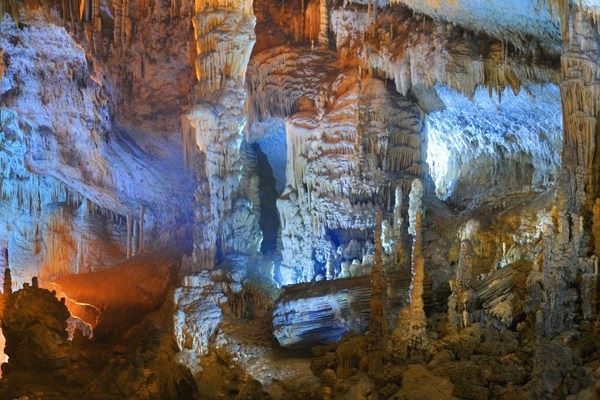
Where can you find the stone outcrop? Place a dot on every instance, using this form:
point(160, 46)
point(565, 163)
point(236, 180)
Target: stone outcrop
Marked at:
point(197, 317)
point(34, 319)
point(323, 312)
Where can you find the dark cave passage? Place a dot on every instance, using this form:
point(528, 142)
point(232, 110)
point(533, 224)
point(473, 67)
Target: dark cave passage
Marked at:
point(269, 216)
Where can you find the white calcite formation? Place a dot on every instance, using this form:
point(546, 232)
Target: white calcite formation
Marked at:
point(323, 312)
point(224, 220)
point(482, 149)
point(197, 317)
point(346, 159)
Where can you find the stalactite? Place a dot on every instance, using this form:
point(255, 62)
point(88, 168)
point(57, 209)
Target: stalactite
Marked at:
point(129, 234)
point(135, 238)
point(580, 93)
point(562, 9)
point(425, 52)
point(141, 233)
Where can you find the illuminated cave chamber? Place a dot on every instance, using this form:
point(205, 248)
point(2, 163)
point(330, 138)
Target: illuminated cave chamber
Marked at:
point(300, 199)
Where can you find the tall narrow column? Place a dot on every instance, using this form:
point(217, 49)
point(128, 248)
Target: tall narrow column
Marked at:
point(224, 35)
point(378, 326)
point(410, 335)
point(415, 213)
point(579, 183)
point(580, 92)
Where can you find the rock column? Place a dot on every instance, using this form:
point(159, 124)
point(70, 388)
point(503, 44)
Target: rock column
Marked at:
point(580, 93)
point(410, 336)
point(462, 296)
point(418, 321)
point(378, 326)
point(224, 35)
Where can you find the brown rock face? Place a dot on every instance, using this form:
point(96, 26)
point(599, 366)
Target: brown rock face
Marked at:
point(36, 321)
point(145, 53)
point(419, 383)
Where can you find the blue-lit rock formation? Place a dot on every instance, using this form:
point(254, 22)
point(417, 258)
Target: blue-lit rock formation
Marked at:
point(82, 193)
point(485, 148)
point(323, 312)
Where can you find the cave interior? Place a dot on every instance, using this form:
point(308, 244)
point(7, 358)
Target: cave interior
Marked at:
point(300, 199)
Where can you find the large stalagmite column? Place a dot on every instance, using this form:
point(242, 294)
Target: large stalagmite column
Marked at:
point(324, 22)
point(224, 34)
point(580, 92)
point(580, 175)
point(378, 326)
point(410, 335)
point(415, 213)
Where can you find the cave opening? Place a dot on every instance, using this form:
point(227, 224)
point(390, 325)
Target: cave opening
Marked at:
point(269, 217)
point(271, 157)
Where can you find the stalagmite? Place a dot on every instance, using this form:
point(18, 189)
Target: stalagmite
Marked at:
point(462, 293)
point(415, 212)
point(378, 325)
point(329, 270)
point(7, 283)
point(410, 335)
point(399, 250)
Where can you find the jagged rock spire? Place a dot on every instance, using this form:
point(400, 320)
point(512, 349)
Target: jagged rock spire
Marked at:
point(7, 283)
